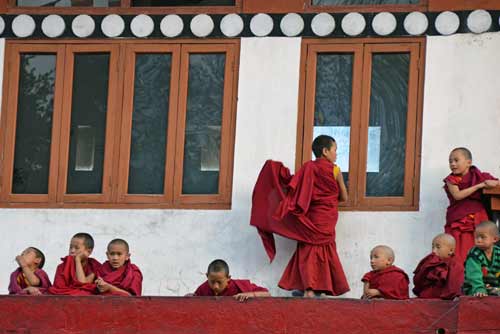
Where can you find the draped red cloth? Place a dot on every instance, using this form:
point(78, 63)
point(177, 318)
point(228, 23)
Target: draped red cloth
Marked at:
point(66, 282)
point(438, 278)
point(234, 287)
point(18, 283)
point(462, 216)
point(128, 277)
point(303, 207)
point(392, 282)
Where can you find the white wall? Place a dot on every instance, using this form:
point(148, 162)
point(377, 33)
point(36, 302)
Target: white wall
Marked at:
point(173, 247)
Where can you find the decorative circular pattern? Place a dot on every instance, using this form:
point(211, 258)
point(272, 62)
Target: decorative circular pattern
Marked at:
point(416, 23)
point(171, 25)
point(231, 25)
point(479, 21)
point(292, 24)
point(83, 26)
point(261, 25)
point(323, 24)
point(2, 25)
point(447, 23)
point(142, 25)
point(53, 26)
point(202, 25)
point(353, 24)
point(384, 23)
point(112, 25)
point(23, 26)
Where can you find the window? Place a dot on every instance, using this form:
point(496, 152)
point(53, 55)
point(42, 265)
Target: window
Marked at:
point(68, 3)
point(363, 2)
point(172, 3)
point(119, 123)
point(365, 5)
point(367, 95)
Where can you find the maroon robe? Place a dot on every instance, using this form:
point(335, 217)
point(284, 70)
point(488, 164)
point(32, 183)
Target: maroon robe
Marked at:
point(462, 216)
point(17, 283)
point(303, 207)
point(438, 278)
point(392, 282)
point(234, 287)
point(128, 277)
point(66, 282)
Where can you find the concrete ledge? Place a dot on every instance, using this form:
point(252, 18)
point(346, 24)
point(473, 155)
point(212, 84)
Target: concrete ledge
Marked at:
point(95, 314)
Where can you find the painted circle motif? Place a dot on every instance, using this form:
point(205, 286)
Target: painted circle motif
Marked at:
point(53, 26)
point(171, 25)
point(353, 24)
point(447, 23)
point(112, 25)
point(479, 21)
point(384, 23)
point(83, 26)
point(23, 26)
point(261, 25)
point(323, 24)
point(416, 23)
point(231, 25)
point(142, 25)
point(292, 24)
point(2, 25)
point(202, 25)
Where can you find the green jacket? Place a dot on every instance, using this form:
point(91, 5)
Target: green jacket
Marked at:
point(479, 271)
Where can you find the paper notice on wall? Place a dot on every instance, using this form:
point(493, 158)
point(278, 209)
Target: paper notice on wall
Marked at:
point(85, 148)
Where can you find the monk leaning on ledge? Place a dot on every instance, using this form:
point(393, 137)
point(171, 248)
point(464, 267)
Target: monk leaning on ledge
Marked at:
point(29, 278)
point(220, 283)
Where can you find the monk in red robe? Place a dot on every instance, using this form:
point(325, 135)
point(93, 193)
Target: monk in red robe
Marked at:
point(466, 210)
point(76, 274)
point(118, 276)
point(439, 275)
point(385, 280)
point(29, 278)
point(304, 207)
point(220, 283)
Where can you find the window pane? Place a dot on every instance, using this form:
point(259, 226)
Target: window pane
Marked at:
point(385, 169)
point(68, 3)
point(332, 104)
point(149, 124)
point(203, 124)
point(34, 124)
point(363, 2)
point(165, 3)
point(88, 123)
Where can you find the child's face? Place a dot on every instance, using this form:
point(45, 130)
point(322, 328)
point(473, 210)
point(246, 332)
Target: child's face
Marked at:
point(218, 281)
point(30, 258)
point(484, 238)
point(331, 154)
point(77, 246)
point(379, 259)
point(117, 255)
point(442, 248)
point(459, 164)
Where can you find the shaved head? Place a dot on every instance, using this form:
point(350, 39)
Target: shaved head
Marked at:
point(218, 266)
point(446, 238)
point(389, 253)
point(490, 226)
point(119, 242)
point(465, 151)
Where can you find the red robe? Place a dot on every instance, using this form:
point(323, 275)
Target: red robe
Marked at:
point(392, 282)
point(128, 277)
point(303, 207)
point(66, 282)
point(18, 283)
point(464, 215)
point(234, 287)
point(438, 278)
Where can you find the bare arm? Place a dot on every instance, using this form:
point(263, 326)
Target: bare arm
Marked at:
point(80, 273)
point(33, 279)
point(247, 295)
point(343, 190)
point(458, 194)
point(104, 286)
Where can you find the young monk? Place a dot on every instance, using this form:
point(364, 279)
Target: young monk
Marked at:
point(77, 273)
point(385, 280)
point(220, 283)
point(439, 274)
point(304, 207)
point(482, 268)
point(118, 276)
point(29, 278)
point(466, 210)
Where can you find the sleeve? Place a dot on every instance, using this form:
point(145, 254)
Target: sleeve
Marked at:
point(14, 288)
point(336, 171)
point(487, 176)
point(44, 279)
point(474, 276)
point(452, 179)
point(395, 286)
point(59, 277)
point(367, 277)
point(136, 285)
point(256, 288)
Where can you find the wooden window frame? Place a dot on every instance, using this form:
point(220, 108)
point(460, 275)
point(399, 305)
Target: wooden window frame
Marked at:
point(118, 128)
point(362, 50)
point(421, 6)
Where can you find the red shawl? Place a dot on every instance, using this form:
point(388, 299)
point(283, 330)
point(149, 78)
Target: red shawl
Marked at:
point(66, 282)
point(128, 277)
point(472, 203)
point(302, 207)
point(234, 287)
point(438, 278)
point(16, 286)
point(392, 282)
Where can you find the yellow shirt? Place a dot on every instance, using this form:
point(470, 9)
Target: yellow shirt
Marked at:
point(336, 171)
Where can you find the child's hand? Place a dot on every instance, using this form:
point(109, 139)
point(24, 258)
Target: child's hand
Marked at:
point(31, 290)
point(82, 255)
point(244, 296)
point(490, 184)
point(370, 293)
point(102, 285)
point(21, 261)
point(480, 294)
